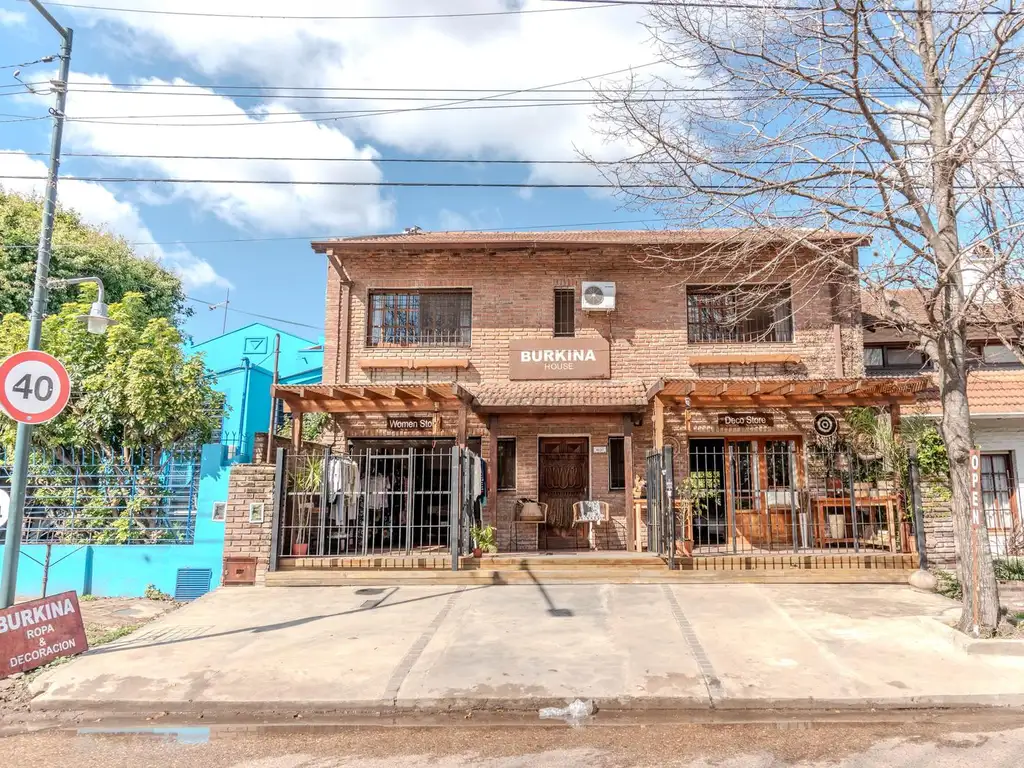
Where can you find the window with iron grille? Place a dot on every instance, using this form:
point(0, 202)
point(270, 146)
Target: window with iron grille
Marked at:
point(506, 463)
point(739, 313)
point(565, 312)
point(616, 463)
point(442, 318)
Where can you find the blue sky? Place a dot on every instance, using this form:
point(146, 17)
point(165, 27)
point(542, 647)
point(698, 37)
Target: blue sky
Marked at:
point(192, 68)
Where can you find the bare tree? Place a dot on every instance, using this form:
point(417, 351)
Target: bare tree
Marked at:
point(899, 120)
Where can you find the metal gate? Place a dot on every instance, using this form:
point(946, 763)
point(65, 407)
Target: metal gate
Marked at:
point(661, 518)
point(390, 501)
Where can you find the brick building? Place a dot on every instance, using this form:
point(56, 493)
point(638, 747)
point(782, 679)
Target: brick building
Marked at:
point(568, 361)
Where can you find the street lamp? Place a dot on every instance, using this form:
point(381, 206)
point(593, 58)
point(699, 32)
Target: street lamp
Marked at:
point(98, 320)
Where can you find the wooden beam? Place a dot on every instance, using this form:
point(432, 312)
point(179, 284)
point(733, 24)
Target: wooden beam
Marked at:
point(627, 450)
point(492, 470)
point(297, 432)
point(659, 423)
point(430, 393)
point(462, 425)
point(370, 393)
point(406, 393)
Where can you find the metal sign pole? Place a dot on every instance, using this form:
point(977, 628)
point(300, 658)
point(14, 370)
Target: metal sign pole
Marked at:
point(19, 477)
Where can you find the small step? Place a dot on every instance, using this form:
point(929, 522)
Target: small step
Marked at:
point(326, 578)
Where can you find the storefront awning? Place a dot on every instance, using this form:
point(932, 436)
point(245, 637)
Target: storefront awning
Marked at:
point(326, 398)
point(788, 393)
point(556, 396)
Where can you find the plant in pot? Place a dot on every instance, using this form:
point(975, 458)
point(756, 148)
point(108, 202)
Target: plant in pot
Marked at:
point(306, 480)
point(700, 489)
point(483, 540)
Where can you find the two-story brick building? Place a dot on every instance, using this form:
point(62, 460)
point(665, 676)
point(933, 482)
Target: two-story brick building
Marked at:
point(563, 359)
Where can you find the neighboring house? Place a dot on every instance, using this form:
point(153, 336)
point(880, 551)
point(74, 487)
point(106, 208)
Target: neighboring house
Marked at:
point(243, 363)
point(568, 362)
point(995, 395)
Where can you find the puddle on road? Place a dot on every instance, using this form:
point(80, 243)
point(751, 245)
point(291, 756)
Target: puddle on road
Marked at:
point(178, 735)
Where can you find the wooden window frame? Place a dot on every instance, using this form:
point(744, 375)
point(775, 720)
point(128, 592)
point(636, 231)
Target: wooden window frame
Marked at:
point(565, 301)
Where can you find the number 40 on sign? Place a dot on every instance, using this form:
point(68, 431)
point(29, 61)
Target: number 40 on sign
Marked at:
point(34, 387)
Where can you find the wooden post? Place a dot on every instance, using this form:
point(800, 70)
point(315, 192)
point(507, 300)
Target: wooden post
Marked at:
point(894, 418)
point(492, 468)
point(297, 431)
point(461, 426)
point(659, 423)
point(627, 451)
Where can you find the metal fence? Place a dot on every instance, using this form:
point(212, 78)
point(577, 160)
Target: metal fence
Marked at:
point(770, 495)
point(85, 496)
point(662, 527)
point(377, 501)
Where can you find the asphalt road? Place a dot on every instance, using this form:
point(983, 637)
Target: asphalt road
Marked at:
point(932, 744)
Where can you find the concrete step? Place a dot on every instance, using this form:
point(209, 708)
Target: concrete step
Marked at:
point(484, 576)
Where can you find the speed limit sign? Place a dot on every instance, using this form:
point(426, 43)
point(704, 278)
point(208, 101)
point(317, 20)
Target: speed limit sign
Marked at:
point(34, 387)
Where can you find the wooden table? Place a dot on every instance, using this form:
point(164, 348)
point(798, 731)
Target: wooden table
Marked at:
point(822, 504)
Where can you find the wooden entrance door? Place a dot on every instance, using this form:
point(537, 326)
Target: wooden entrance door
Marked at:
point(564, 474)
point(763, 477)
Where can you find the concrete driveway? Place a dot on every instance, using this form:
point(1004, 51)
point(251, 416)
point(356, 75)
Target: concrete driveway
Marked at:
point(521, 647)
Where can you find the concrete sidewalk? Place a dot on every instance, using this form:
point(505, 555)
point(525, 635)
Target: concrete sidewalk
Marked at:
point(436, 649)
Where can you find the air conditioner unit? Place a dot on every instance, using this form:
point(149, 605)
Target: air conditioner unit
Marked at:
point(598, 297)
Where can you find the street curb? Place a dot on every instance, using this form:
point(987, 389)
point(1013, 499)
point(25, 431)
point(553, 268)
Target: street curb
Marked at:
point(635, 705)
point(990, 647)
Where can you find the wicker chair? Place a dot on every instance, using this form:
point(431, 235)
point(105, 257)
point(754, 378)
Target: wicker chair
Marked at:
point(580, 515)
point(517, 511)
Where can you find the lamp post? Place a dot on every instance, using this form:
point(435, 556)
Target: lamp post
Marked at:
point(23, 441)
point(98, 319)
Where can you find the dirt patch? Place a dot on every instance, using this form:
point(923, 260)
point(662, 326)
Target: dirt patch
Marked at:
point(1011, 626)
point(106, 620)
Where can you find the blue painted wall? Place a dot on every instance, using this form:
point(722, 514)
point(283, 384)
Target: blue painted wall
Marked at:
point(125, 571)
point(243, 363)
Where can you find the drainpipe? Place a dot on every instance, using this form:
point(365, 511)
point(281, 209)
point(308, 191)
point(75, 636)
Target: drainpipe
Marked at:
point(273, 400)
point(247, 365)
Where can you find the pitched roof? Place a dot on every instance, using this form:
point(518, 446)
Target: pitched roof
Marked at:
point(554, 395)
point(988, 392)
point(649, 237)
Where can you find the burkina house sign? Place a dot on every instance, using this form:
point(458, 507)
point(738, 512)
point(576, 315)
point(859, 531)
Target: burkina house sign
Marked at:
point(538, 359)
point(39, 631)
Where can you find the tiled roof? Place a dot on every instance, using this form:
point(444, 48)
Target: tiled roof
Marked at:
point(627, 395)
point(988, 392)
point(585, 237)
point(879, 331)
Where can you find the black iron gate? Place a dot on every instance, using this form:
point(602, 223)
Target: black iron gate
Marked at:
point(662, 529)
point(377, 500)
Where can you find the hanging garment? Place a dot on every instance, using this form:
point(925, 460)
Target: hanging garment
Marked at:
point(377, 490)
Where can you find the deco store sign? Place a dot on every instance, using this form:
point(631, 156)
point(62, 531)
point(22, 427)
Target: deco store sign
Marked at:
point(539, 359)
point(39, 631)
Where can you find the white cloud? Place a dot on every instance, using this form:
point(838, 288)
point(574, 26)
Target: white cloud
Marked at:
point(505, 52)
point(217, 126)
point(100, 208)
point(11, 18)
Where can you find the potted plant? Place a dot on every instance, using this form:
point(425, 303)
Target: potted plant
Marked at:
point(698, 491)
point(483, 540)
point(306, 479)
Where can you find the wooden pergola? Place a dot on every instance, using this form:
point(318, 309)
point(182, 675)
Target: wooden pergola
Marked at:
point(378, 398)
point(782, 393)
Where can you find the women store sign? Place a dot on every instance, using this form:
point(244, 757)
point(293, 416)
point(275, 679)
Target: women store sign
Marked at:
point(538, 359)
point(39, 631)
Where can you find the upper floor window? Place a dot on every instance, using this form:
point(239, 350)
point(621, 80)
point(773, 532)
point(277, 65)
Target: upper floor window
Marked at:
point(739, 313)
point(998, 354)
point(895, 357)
point(565, 312)
point(436, 318)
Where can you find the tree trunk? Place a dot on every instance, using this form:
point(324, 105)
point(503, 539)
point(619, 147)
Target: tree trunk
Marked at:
point(980, 592)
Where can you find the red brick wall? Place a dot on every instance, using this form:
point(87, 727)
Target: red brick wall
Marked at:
point(513, 297)
point(250, 484)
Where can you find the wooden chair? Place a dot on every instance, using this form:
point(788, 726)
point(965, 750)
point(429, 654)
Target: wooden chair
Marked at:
point(517, 511)
point(591, 513)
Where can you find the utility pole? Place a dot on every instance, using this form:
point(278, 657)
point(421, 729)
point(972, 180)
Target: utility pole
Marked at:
point(23, 443)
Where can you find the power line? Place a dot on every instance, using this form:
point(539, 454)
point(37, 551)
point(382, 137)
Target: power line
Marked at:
point(44, 60)
point(751, 6)
point(767, 183)
point(443, 160)
point(278, 17)
point(262, 317)
point(315, 238)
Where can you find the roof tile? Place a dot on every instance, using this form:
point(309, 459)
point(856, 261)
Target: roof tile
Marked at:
point(559, 394)
point(988, 392)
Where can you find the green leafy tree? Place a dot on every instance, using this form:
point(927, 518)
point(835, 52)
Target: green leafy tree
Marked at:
point(131, 388)
point(78, 250)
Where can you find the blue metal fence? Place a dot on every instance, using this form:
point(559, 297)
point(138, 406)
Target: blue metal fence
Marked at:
point(86, 496)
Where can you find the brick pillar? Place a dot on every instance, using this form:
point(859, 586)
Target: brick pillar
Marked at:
point(250, 484)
